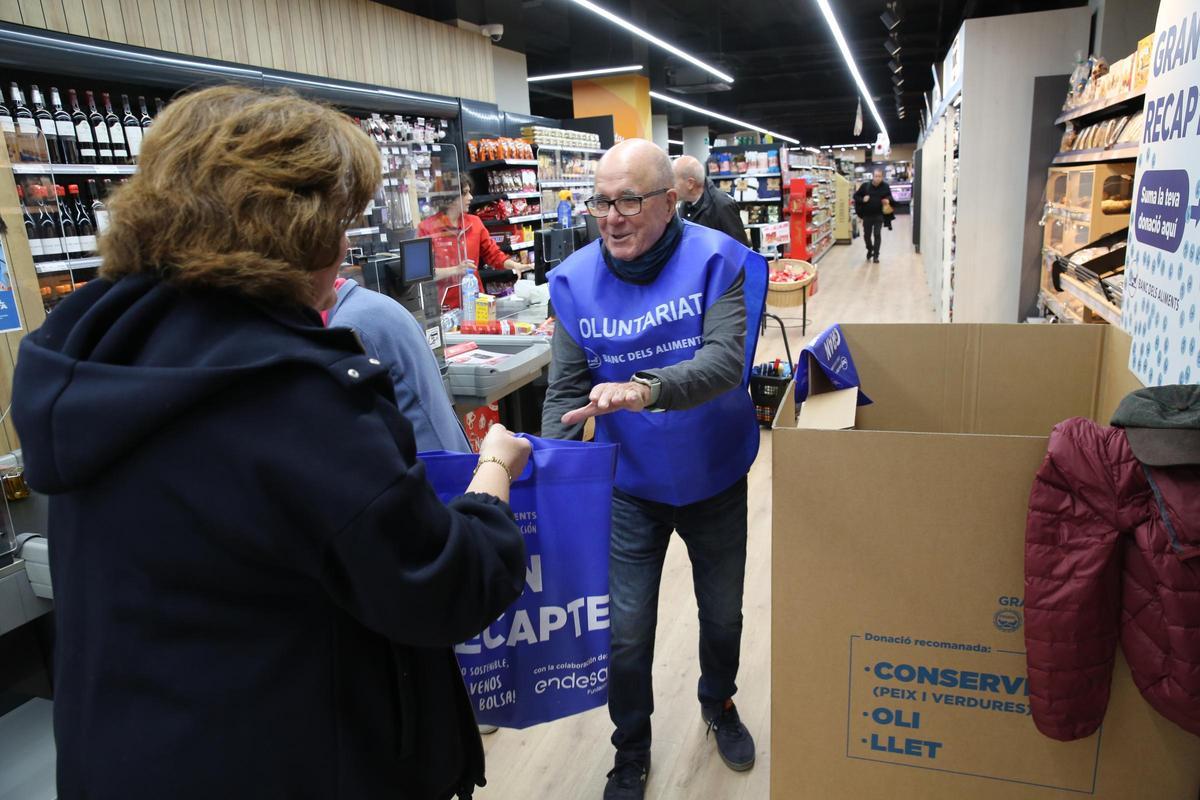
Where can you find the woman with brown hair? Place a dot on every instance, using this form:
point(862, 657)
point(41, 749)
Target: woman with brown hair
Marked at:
point(256, 589)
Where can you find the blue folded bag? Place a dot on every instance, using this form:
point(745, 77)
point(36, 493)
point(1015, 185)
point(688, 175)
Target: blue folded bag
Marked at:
point(831, 353)
point(546, 657)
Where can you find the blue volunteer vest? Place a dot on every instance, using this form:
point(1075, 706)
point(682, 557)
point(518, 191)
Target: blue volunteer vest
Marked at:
point(676, 457)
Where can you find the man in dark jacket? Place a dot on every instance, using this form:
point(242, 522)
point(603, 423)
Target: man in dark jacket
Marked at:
point(868, 204)
point(256, 589)
point(705, 204)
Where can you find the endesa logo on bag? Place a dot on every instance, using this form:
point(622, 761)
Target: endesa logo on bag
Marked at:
point(546, 657)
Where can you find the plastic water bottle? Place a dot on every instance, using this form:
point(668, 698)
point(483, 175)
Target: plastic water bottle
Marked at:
point(564, 209)
point(470, 292)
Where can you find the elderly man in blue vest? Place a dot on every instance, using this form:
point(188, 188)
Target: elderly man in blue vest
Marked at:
point(657, 326)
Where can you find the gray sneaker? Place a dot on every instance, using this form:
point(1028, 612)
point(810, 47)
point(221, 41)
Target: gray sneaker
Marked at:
point(734, 742)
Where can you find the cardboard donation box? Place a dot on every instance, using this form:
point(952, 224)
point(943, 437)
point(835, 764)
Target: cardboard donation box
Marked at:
point(898, 664)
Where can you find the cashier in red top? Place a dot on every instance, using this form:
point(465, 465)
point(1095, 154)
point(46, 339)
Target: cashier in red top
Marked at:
point(491, 265)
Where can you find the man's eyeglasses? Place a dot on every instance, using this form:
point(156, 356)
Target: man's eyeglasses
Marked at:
point(629, 205)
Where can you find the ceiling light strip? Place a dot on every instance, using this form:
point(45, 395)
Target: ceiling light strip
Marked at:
point(675, 141)
point(674, 101)
point(583, 73)
point(649, 37)
point(845, 48)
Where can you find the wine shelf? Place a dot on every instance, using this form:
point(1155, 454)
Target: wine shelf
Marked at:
point(50, 267)
point(43, 168)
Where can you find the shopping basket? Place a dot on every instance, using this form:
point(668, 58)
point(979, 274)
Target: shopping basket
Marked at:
point(768, 391)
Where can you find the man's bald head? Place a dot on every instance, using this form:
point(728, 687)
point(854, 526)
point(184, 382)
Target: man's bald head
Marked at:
point(689, 178)
point(644, 160)
point(635, 168)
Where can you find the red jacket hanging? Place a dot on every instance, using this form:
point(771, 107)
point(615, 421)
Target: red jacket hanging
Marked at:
point(1111, 551)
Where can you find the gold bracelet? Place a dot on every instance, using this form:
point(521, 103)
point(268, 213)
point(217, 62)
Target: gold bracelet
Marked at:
point(493, 460)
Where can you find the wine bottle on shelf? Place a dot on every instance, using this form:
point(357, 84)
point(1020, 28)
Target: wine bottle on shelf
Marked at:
point(68, 142)
point(9, 127)
point(159, 105)
point(47, 227)
point(31, 228)
point(45, 121)
point(83, 220)
point(28, 142)
point(115, 132)
point(133, 130)
point(145, 120)
point(99, 212)
point(66, 223)
point(83, 130)
point(104, 152)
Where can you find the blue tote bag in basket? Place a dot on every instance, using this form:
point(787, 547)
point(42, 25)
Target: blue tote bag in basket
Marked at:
point(546, 657)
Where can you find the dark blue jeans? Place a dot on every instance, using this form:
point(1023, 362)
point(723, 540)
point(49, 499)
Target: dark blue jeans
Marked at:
point(714, 532)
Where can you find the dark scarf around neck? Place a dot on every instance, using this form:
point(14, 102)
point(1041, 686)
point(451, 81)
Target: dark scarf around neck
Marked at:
point(646, 268)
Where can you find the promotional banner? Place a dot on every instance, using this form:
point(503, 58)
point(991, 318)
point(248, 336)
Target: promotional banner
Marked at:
point(832, 354)
point(10, 318)
point(1163, 263)
point(546, 657)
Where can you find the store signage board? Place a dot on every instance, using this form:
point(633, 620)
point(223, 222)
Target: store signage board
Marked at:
point(1162, 282)
point(10, 317)
point(775, 234)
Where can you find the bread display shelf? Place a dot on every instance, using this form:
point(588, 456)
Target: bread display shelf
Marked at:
point(1103, 106)
point(1120, 152)
point(1091, 300)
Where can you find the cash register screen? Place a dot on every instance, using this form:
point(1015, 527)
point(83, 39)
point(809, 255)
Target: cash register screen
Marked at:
point(417, 256)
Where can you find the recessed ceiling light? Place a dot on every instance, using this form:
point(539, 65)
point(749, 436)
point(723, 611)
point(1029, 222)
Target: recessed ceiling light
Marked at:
point(675, 101)
point(654, 40)
point(583, 73)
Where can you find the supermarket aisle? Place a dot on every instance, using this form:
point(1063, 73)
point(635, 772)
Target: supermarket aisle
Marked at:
point(568, 760)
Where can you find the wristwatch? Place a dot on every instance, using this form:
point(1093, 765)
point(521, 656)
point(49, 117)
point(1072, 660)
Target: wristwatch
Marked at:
point(651, 382)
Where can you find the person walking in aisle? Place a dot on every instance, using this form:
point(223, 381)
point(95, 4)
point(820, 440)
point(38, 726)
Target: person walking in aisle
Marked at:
point(256, 590)
point(703, 203)
point(869, 205)
point(657, 325)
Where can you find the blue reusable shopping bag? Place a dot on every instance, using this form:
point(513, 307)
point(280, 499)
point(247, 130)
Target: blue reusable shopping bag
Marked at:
point(546, 657)
point(832, 355)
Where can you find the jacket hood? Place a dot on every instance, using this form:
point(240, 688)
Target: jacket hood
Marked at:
point(116, 362)
point(1162, 424)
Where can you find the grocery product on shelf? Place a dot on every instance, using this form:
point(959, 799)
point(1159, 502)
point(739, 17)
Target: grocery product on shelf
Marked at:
point(498, 149)
point(560, 137)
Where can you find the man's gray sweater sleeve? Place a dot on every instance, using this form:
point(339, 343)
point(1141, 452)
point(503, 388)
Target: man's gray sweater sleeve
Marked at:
point(720, 362)
point(570, 386)
point(716, 368)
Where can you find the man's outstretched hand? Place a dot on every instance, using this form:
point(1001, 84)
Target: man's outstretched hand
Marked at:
point(609, 397)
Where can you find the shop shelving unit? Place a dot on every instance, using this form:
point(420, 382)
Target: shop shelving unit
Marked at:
point(817, 203)
point(1089, 193)
point(978, 137)
point(513, 235)
point(420, 182)
point(739, 171)
point(570, 168)
point(842, 230)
